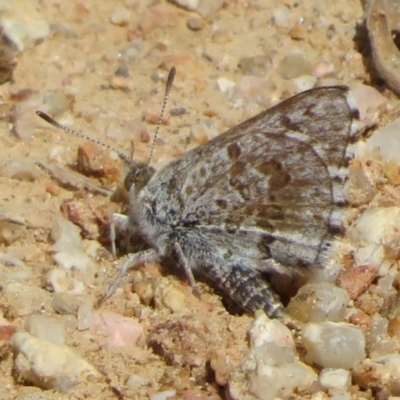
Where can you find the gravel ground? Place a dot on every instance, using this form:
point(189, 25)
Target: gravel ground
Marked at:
point(100, 68)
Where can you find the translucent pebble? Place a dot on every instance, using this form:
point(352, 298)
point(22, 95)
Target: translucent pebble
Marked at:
point(120, 16)
point(335, 380)
point(135, 381)
point(46, 328)
point(319, 301)
point(294, 65)
point(374, 225)
point(48, 365)
point(304, 82)
point(255, 65)
point(334, 344)
point(281, 16)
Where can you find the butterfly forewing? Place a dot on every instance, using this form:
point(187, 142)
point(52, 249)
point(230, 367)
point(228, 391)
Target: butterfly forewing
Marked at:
point(269, 176)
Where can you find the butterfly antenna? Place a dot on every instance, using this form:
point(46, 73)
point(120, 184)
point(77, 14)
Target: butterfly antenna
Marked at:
point(53, 122)
point(168, 86)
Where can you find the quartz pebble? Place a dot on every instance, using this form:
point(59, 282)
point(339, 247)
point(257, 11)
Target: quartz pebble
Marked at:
point(46, 328)
point(281, 16)
point(255, 65)
point(204, 7)
point(304, 82)
point(164, 395)
point(336, 381)
point(26, 299)
point(134, 382)
point(22, 168)
point(22, 23)
point(319, 301)
point(271, 368)
point(385, 145)
point(225, 85)
point(333, 344)
point(61, 282)
point(120, 16)
point(293, 65)
point(48, 365)
point(68, 246)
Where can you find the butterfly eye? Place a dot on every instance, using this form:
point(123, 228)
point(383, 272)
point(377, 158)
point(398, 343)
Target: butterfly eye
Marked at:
point(138, 176)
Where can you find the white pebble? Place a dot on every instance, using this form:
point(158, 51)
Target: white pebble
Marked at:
point(272, 340)
point(203, 7)
point(374, 225)
point(120, 16)
point(333, 344)
point(86, 316)
point(385, 142)
point(26, 299)
point(135, 381)
point(23, 24)
point(48, 365)
point(21, 168)
point(68, 247)
point(62, 283)
point(336, 381)
point(46, 328)
point(304, 82)
point(281, 16)
point(163, 395)
point(271, 368)
point(224, 85)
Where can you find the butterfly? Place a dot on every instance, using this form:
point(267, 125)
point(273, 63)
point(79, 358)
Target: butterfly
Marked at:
point(265, 197)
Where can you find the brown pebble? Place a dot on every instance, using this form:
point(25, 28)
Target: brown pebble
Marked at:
point(356, 280)
point(298, 32)
point(394, 326)
point(360, 318)
point(6, 331)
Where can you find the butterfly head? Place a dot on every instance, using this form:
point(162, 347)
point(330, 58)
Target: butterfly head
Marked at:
point(137, 177)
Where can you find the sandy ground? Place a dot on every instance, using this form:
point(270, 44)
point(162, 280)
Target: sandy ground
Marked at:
point(79, 60)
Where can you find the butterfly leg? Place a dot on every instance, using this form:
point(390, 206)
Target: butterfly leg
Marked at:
point(142, 257)
point(188, 271)
point(119, 222)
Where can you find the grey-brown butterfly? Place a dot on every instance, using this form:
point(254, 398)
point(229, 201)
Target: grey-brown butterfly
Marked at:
point(265, 197)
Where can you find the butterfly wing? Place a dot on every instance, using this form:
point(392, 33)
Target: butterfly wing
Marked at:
point(275, 178)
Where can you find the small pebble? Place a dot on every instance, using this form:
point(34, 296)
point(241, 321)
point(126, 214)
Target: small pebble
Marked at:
point(336, 381)
point(134, 382)
point(319, 301)
point(26, 299)
point(281, 16)
point(255, 65)
point(120, 16)
point(165, 395)
point(122, 70)
point(204, 7)
point(46, 328)
point(294, 65)
point(195, 24)
point(221, 36)
point(86, 316)
point(48, 365)
point(24, 25)
point(65, 303)
point(225, 85)
point(333, 344)
point(119, 331)
point(178, 111)
point(304, 82)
